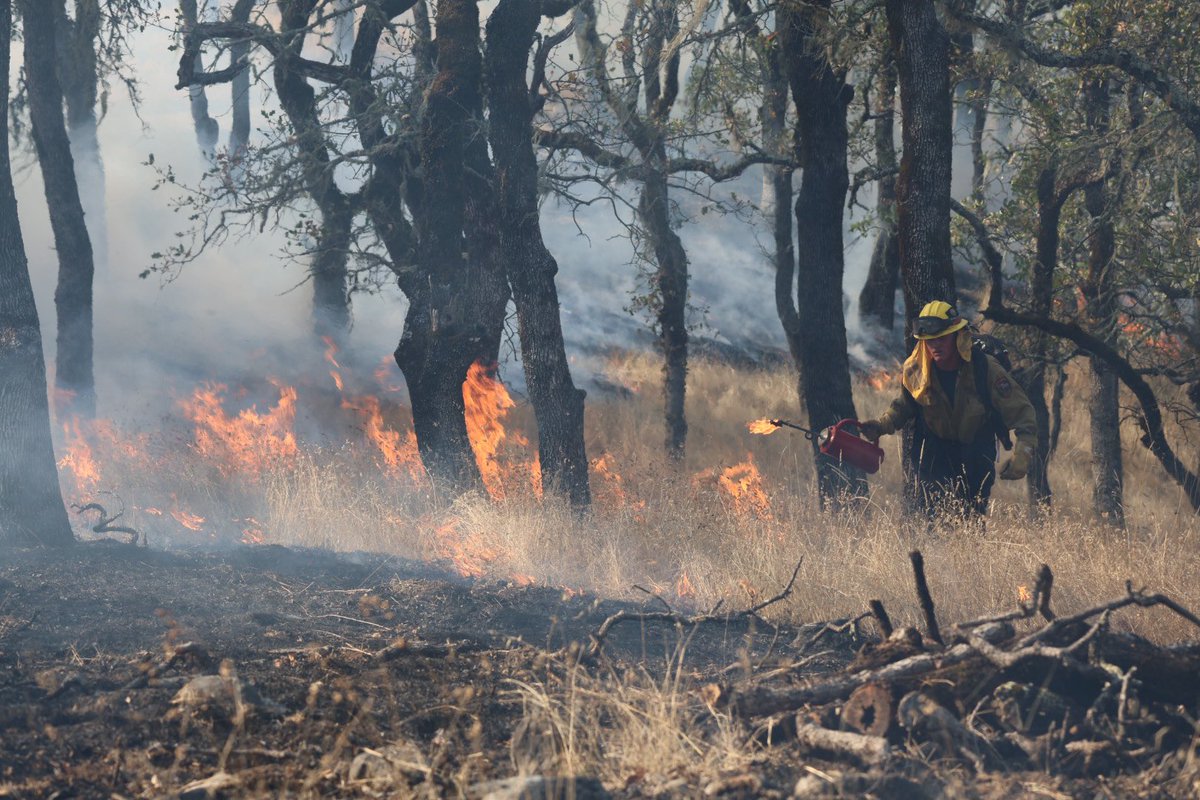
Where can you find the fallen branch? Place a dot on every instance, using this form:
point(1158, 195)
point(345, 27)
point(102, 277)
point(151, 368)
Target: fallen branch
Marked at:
point(931, 623)
point(687, 621)
point(866, 750)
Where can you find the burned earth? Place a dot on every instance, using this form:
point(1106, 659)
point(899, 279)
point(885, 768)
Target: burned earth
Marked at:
point(264, 671)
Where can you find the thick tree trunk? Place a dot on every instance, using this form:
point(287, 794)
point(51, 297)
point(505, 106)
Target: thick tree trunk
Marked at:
point(31, 506)
point(74, 376)
point(671, 279)
point(821, 97)
point(1041, 289)
point(922, 52)
point(444, 330)
point(557, 404)
point(878, 297)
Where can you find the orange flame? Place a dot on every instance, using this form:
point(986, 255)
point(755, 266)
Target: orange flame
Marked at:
point(469, 555)
point(744, 484)
point(487, 405)
point(79, 459)
point(331, 351)
point(399, 455)
point(763, 427)
point(1023, 595)
point(247, 442)
point(881, 379)
point(683, 585)
point(192, 522)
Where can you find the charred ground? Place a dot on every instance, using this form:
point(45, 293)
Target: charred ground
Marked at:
point(342, 676)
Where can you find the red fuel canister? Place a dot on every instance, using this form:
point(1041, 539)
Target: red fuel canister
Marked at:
point(838, 442)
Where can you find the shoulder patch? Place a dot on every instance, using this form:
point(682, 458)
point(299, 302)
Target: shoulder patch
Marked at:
point(1003, 386)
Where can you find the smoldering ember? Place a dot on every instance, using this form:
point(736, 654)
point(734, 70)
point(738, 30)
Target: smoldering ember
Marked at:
point(564, 399)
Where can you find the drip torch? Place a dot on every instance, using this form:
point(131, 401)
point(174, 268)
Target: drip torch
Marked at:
point(836, 441)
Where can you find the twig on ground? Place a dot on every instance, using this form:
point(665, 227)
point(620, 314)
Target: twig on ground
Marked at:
point(105, 524)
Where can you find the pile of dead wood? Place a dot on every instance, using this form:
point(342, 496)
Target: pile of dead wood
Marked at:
point(1067, 695)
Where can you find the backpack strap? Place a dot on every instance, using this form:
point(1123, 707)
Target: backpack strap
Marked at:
point(983, 388)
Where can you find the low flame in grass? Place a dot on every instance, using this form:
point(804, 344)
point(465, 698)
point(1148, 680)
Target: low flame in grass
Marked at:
point(248, 442)
point(763, 427)
point(79, 460)
point(1023, 595)
point(683, 585)
point(193, 522)
point(469, 555)
point(744, 484)
point(881, 379)
point(253, 532)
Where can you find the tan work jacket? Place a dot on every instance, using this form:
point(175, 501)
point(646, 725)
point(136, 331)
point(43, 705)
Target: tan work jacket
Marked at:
point(961, 422)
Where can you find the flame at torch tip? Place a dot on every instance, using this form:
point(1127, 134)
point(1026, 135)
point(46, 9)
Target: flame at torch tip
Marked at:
point(763, 427)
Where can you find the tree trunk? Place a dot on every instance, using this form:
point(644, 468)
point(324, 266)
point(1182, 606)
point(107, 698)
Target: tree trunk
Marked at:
point(878, 297)
point(331, 300)
point(31, 506)
point(1041, 289)
point(557, 404)
point(78, 40)
point(922, 52)
point(444, 330)
point(821, 97)
point(208, 130)
point(74, 378)
point(978, 158)
point(1104, 397)
point(671, 279)
point(239, 50)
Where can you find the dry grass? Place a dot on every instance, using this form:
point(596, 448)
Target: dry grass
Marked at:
point(678, 530)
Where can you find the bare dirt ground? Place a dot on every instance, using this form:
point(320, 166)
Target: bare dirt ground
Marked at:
point(341, 676)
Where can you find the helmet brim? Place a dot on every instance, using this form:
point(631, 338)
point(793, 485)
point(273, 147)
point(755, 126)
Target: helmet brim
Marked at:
point(949, 329)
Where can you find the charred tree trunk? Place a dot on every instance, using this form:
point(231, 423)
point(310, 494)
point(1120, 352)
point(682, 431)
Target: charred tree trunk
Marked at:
point(878, 297)
point(331, 300)
point(557, 404)
point(444, 331)
point(31, 506)
point(821, 97)
point(208, 130)
point(74, 376)
point(1104, 397)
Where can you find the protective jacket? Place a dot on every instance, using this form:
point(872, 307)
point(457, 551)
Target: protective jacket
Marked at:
point(954, 442)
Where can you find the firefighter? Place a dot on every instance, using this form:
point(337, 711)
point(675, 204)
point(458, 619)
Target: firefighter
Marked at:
point(956, 421)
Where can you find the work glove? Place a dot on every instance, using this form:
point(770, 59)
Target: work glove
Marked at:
point(870, 429)
point(1017, 464)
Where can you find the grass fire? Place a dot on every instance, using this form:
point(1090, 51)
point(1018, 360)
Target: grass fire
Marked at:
point(544, 401)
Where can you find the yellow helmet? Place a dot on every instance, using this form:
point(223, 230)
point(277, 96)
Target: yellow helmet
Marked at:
point(936, 319)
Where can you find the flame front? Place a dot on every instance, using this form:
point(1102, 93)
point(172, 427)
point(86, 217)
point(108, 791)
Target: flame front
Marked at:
point(487, 405)
point(744, 484)
point(763, 427)
point(248, 442)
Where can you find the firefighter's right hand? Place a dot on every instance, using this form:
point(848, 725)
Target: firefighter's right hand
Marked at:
point(870, 429)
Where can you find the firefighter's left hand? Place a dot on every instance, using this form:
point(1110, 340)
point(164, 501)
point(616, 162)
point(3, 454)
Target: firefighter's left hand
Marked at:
point(1017, 464)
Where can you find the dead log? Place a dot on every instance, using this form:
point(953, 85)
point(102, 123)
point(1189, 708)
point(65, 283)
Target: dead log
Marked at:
point(870, 710)
point(759, 700)
point(1167, 674)
point(928, 721)
point(865, 750)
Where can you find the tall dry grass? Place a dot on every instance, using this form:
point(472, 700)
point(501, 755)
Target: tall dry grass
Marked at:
point(678, 530)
